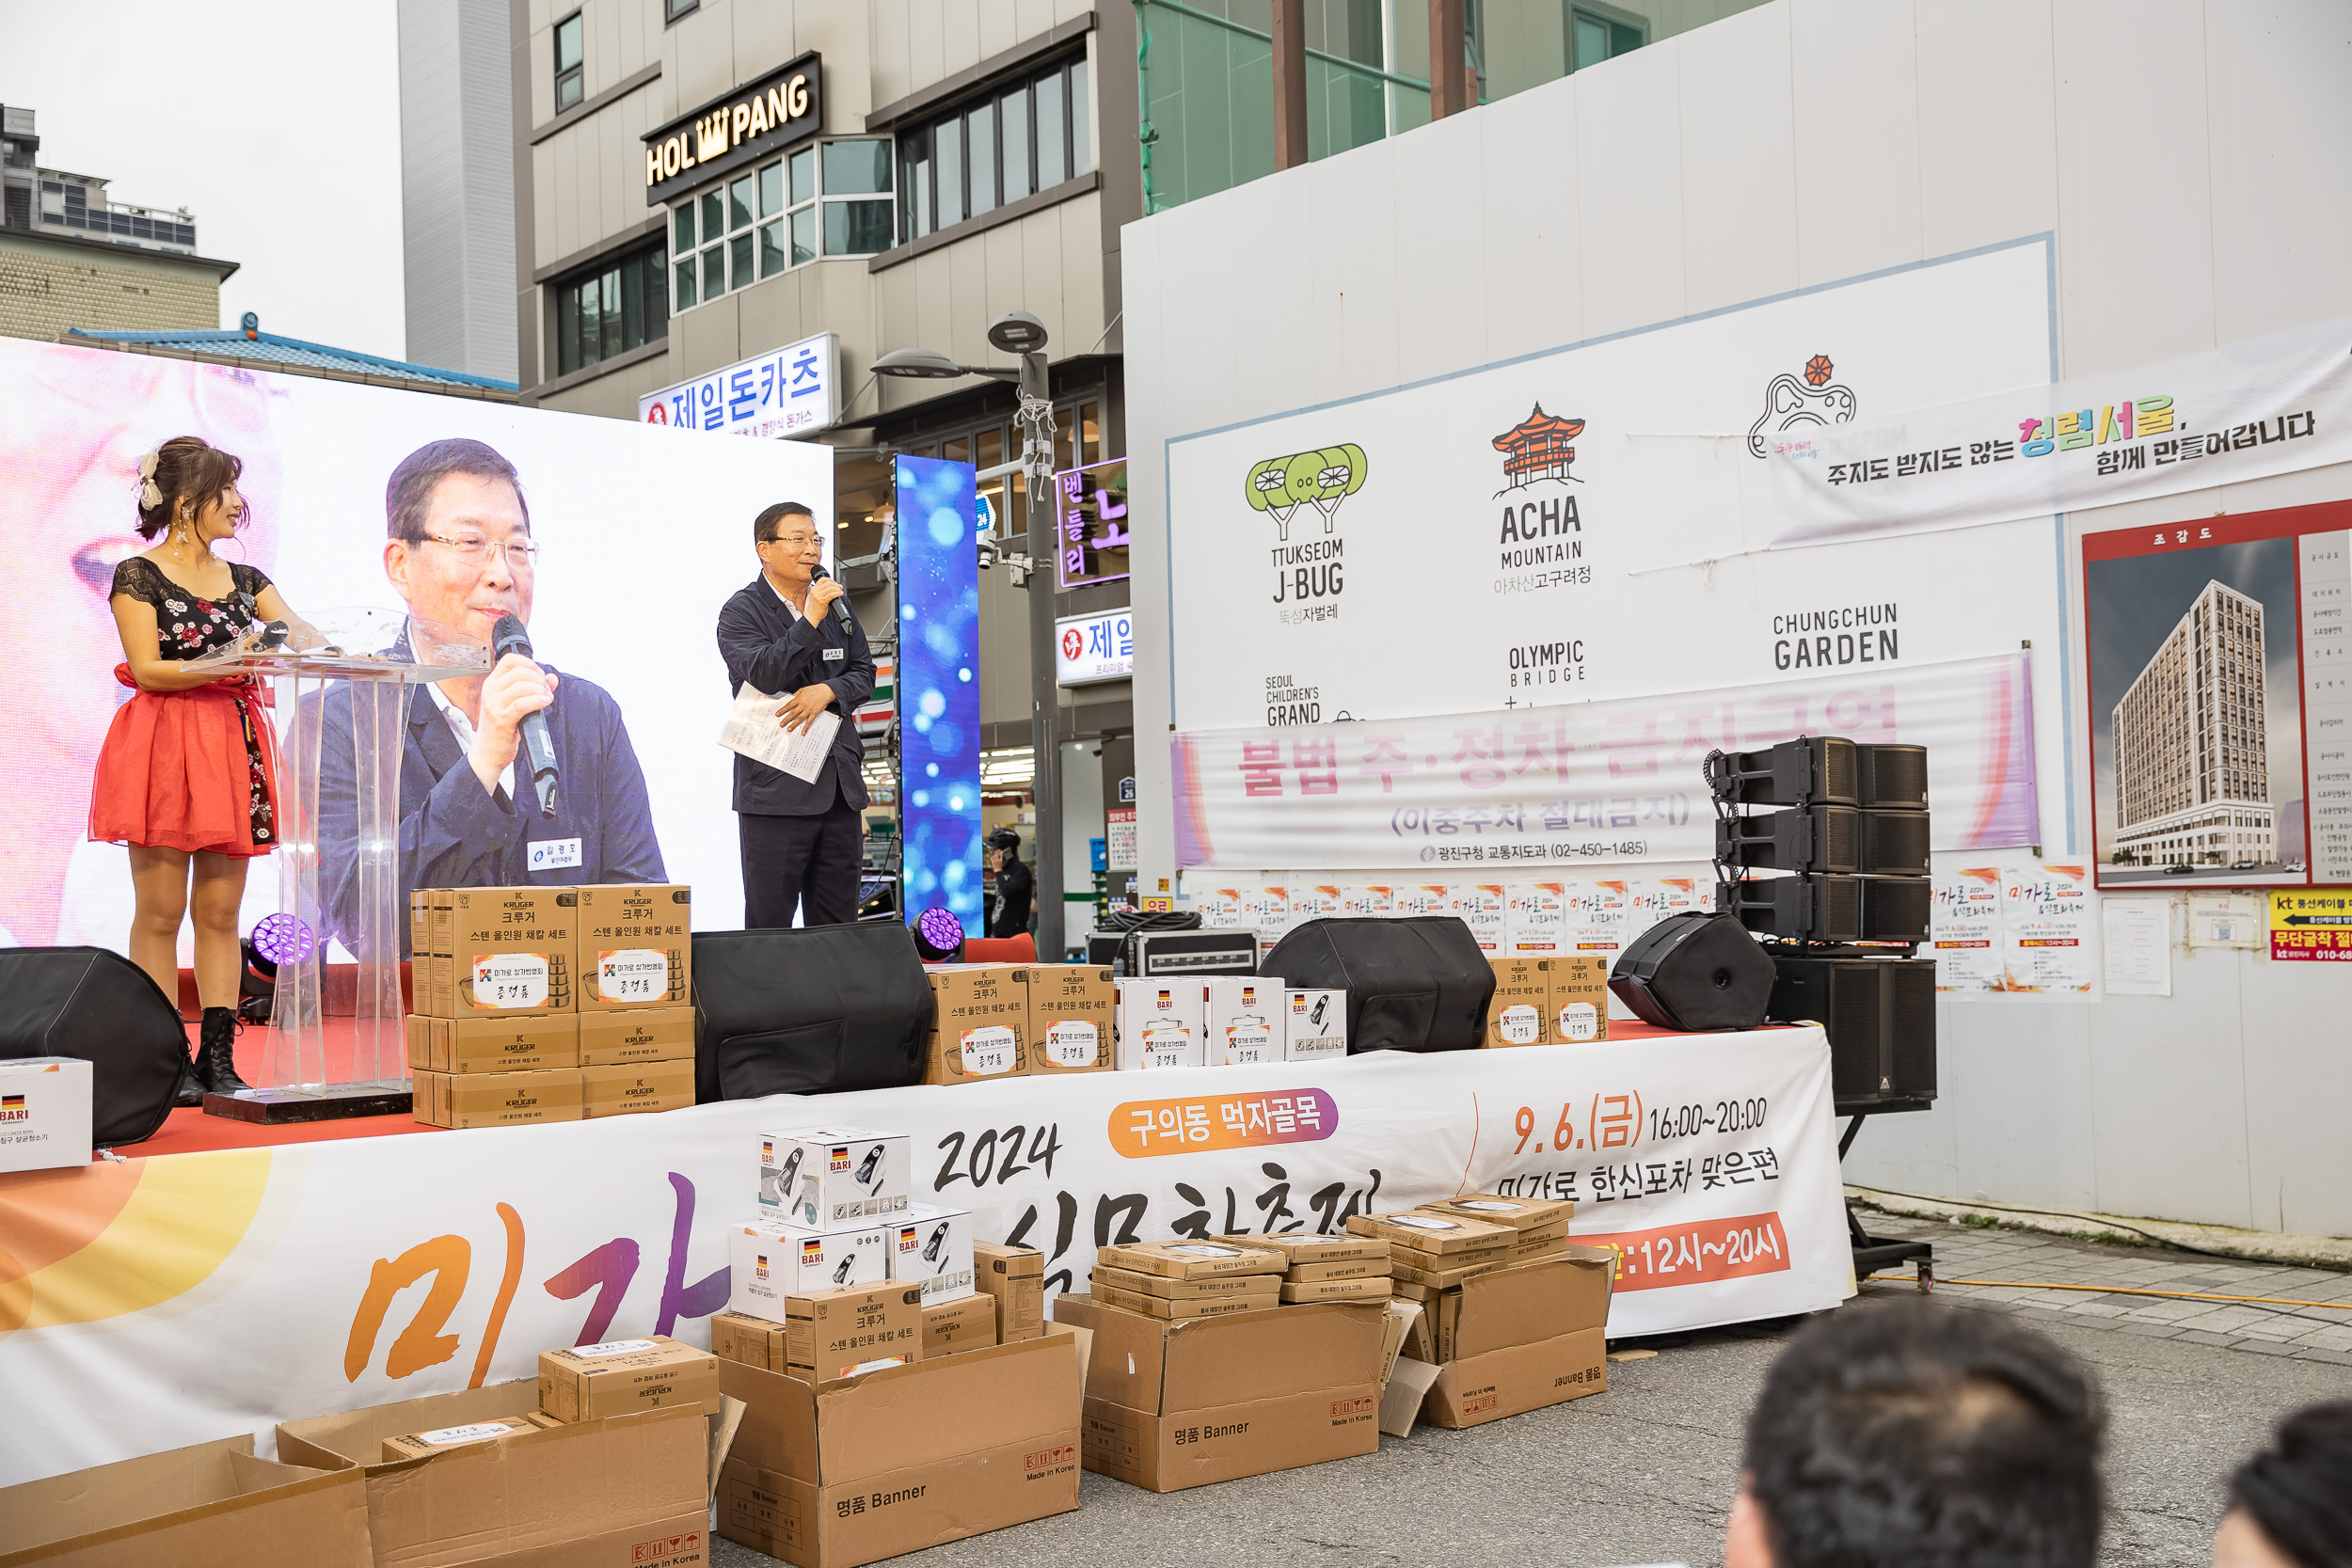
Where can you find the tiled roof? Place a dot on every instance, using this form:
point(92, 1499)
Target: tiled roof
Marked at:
point(269, 347)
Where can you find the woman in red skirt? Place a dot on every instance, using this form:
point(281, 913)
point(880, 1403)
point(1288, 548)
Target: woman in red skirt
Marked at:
point(187, 776)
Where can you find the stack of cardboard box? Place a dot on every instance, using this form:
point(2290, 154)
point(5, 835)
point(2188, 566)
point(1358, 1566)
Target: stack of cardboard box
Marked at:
point(1014, 1021)
point(1164, 1022)
point(1189, 1280)
point(1330, 1268)
point(1558, 1001)
point(549, 1004)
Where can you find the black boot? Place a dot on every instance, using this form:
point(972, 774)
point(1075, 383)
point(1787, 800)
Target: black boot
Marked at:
point(188, 1094)
point(216, 1058)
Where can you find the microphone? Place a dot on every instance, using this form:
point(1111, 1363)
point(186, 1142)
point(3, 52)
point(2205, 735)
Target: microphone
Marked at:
point(508, 636)
point(841, 605)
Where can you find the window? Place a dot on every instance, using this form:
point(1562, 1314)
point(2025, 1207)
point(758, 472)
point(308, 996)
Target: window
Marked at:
point(770, 219)
point(672, 10)
point(1593, 37)
point(604, 313)
point(1020, 139)
point(567, 71)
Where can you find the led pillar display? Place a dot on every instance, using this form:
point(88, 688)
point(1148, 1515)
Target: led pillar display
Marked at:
point(939, 689)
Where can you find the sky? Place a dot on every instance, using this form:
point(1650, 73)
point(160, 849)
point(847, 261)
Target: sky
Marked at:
point(275, 123)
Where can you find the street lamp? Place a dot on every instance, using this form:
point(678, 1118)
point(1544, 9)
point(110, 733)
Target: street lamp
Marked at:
point(1017, 332)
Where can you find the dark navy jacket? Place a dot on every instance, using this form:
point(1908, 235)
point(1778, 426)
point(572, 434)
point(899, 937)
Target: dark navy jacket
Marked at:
point(455, 834)
point(779, 653)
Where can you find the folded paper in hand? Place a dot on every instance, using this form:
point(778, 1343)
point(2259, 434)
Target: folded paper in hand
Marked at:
point(753, 730)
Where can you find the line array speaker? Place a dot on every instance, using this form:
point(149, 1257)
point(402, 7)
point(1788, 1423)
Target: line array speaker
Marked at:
point(1879, 1014)
point(1831, 908)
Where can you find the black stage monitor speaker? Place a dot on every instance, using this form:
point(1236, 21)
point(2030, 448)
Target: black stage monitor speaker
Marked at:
point(1813, 769)
point(1822, 838)
point(101, 1007)
point(1893, 775)
point(808, 1011)
point(1879, 1014)
point(1830, 909)
point(1694, 972)
point(1418, 984)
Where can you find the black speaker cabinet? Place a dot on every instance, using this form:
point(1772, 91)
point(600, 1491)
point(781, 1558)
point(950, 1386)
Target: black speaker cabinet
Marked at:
point(1813, 769)
point(1823, 838)
point(1417, 984)
point(808, 1010)
point(1694, 972)
point(1892, 775)
point(1891, 843)
point(89, 1003)
point(1880, 1018)
point(1830, 909)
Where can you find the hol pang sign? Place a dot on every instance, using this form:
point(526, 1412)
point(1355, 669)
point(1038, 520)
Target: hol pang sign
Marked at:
point(785, 107)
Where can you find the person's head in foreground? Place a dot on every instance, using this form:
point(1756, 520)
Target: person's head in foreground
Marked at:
point(1913, 1436)
point(2291, 1505)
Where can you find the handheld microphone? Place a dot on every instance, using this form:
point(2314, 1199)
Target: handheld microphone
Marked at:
point(841, 605)
point(508, 636)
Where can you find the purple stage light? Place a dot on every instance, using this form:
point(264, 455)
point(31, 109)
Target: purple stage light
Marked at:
point(939, 933)
point(283, 940)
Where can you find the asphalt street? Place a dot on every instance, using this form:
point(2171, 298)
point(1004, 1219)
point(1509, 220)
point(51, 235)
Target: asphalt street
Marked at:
point(1644, 1472)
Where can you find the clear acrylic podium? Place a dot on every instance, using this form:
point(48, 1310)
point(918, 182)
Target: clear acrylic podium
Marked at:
point(313, 1068)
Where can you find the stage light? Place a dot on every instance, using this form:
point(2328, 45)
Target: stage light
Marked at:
point(938, 934)
point(283, 940)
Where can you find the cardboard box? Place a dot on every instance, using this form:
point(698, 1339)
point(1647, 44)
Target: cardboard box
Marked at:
point(1580, 1000)
point(1524, 1304)
point(1267, 1296)
point(1014, 1277)
point(420, 1042)
point(425, 1444)
point(1185, 1403)
point(753, 1342)
point(1481, 1388)
point(1437, 1262)
point(931, 1247)
point(1300, 1248)
point(513, 952)
point(438, 908)
point(770, 1263)
point(1070, 1008)
point(44, 1113)
point(980, 1023)
point(841, 1474)
point(829, 1176)
point(212, 1505)
point(1432, 1233)
point(638, 1035)
point(619, 1492)
point(967, 1323)
point(1528, 1217)
point(420, 922)
point(634, 947)
point(1433, 1280)
point(531, 1044)
point(1365, 1288)
point(830, 1334)
point(1520, 1013)
point(498, 1099)
point(1160, 1023)
point(1356, 1268)
point(1222, 1288)
point(1246, 1022)
point(1184, 1260)
point(1549, 1244)
point(633, 1086)
point(1315, 1027)
point(623, 1377)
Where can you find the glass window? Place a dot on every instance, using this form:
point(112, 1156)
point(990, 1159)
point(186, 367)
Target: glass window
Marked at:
point(1081, 125)
point(714, 215)
point(714, 272)
point(804, 235)
point(857, 227)
point(682, 227)
point(610, 311)
point(915, 182)
point(740, 202)
point(773, 259)
point(1595, 38)
point(1012, 118)
point(568, 34)
point(771, 190)
point(686, 283)
point(1090, 433)
point(741, 247)
point(672, 10)
point(980, 130)
point(803, 175)
point(1053, 145)
point(948, 153)
point(857, 168)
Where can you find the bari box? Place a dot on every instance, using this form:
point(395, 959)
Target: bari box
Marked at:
point(1015, 1277)
point(931, 1247)
point(423, 1444)
point(633, 1086)
point(1520, 1013)
point(634, 949)
point(839, 1333)
point(512, 950)
point(969, 1323)
point(1160, 1023)
point(1247, 1020)
point(1314, 1027)
point(1070, 1017)
point(44, 1113)
point(499, 1098)
point(639, 1034)
point(830, 1176)
point(531, 1044)
point(210, 1505)
point(623, 1377)
point(1580, 1000)
point(980, 1023)
point(767, 1264)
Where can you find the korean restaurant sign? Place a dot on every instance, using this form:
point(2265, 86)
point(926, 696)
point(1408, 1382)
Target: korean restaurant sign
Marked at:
point(782, 107)
point(786, 391)
point(1090, 648)
point(1091, 524)
point(2243, 412)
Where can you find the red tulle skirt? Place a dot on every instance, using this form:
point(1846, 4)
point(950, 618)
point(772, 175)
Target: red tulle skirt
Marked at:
point(177, 772)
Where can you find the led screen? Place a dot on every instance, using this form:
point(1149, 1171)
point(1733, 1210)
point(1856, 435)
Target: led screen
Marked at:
point(939, 689)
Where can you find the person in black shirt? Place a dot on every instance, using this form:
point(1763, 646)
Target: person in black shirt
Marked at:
point(1014, 885)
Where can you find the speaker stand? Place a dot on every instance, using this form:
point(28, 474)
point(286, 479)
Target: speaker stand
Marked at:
point(331, 1103)
point(1873, 1252)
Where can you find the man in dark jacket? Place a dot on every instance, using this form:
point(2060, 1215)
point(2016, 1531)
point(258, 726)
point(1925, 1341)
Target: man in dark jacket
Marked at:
point(1009, 916)
point(802, 843)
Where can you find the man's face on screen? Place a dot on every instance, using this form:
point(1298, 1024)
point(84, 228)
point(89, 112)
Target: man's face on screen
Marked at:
point(475, 563)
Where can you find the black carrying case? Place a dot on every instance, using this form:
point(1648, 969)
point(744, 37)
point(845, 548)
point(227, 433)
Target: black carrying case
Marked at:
point(808, 1010)
point(99, 1007)
point(1418, 984)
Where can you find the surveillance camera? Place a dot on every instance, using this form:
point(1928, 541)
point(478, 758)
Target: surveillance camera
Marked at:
point(987, 553)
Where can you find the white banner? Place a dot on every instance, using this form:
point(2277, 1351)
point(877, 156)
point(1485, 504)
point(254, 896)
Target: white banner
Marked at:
point(785, 391)
point(2239, 413)
point(1590, 782)
point(158, 1302)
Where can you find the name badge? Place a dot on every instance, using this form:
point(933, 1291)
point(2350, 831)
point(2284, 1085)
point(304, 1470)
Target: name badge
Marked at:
point(554, 854)
point(834, 655)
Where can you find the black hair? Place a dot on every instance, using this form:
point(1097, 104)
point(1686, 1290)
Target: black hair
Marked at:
point(2299, 1489)
point(409, 494)
point(769, 523)
point(1004, 838)
point(188, 469)
point(1911, 1436)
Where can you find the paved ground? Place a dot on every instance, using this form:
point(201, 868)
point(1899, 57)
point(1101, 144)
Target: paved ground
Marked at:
point(1643, 1472)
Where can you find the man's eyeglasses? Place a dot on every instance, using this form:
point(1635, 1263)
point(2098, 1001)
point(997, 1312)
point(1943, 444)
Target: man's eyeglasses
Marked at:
point(795, 541)
point(473, 549)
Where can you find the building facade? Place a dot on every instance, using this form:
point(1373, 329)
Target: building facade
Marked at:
point(2209, 803)
point(457, 185)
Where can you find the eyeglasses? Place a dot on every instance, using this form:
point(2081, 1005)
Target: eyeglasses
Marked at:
point(798, 541)
point(474, 550)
